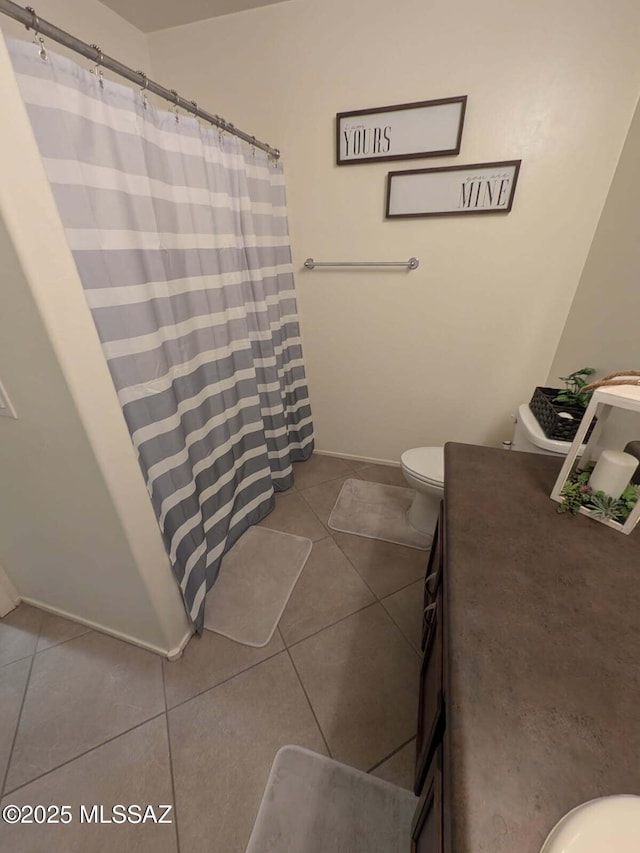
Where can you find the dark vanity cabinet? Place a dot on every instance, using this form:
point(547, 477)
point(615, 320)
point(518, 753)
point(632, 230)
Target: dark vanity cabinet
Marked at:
point(514, 731)
point(427, 830)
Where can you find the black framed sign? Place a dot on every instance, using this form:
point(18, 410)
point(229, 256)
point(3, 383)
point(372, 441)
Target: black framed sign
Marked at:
point(400, 132)
point(452, 190)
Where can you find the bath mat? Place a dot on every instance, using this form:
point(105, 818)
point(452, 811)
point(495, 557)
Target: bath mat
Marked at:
point(313, 804)
point(256, 579)
point(377, 512)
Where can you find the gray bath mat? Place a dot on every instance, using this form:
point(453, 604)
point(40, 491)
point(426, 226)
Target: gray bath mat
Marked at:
point(313, 804)
point(256, 579)
point(377, 512)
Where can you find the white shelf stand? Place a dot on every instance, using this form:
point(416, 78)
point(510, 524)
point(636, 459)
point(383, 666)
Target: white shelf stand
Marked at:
point(603, 401)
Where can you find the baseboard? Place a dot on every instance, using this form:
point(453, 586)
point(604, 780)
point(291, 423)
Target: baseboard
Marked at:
point(170, 654)
point(369, 459)
point(176, 653)
point(8, 595)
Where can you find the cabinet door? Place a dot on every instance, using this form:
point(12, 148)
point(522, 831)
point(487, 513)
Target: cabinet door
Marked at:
point(433, 576)
point(427, 828)
point(431, 700)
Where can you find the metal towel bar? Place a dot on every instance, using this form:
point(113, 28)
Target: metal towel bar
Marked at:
point(412, 264)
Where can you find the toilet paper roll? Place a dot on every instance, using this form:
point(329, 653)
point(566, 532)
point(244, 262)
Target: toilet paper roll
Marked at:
point(613, 472)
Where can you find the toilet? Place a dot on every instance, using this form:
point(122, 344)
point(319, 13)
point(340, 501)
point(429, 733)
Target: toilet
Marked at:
point(423, 468)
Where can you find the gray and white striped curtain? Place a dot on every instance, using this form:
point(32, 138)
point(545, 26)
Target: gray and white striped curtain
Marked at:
point(180, 237)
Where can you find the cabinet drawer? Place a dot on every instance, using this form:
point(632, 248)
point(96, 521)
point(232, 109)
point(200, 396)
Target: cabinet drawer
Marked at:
point(427, 830)
point(431, 696)
point(433, 576)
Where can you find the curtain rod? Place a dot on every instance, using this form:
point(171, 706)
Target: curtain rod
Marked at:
point(30, 19)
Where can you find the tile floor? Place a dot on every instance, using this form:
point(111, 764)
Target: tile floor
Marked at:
point(87, 719)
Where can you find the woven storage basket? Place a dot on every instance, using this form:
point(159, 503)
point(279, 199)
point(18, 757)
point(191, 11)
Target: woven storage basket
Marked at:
point(547, 413)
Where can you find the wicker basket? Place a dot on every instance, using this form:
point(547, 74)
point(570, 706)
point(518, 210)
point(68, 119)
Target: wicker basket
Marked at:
point(547, 413)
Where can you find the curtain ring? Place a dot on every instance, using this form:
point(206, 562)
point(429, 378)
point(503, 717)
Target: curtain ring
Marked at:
point(97, 70)
point(221, 127)
point(143, 90)
point(37, 38)
point(175, 109)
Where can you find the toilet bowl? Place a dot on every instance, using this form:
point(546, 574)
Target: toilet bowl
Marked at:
point(423, 467)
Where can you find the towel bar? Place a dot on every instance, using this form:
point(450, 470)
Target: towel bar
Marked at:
point(412, 264)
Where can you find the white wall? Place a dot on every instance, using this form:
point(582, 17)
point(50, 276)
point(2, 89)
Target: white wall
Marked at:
point(399, 359)
point(602, 329)
point(92, 22)
point(77, 530)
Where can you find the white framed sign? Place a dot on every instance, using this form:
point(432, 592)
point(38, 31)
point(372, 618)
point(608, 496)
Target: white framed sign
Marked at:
point(421, 129)
point(452, 190)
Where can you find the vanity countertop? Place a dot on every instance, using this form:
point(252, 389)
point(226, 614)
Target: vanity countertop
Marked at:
point(543, 645)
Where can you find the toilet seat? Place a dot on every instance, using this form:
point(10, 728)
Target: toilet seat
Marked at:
point(425, 464)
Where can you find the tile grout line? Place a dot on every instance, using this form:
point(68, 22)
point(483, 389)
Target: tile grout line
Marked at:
point(324, 483)
point(16, 660)
point(38, 651)
point(330, 533)
point(225, 680)
point(400, 588)
point(333, 539)
point(344, 475)
point(69, 639)
point(417, 653)
point(353, 566)
point(349, 615)
point(391, 754)
point(332, 625)
point(173, 783)
point(325, 526)
point(19, 720)
point(15, 733)
point(377, 598)
point(311, 708)
point(402, 633)
point(82, 754)
point(399, 627)
point(285, 648)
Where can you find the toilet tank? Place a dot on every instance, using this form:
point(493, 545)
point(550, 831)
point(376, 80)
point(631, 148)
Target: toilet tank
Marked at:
point(529, 437)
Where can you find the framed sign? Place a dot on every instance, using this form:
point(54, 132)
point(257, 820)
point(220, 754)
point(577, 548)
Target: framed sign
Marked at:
point(422, 129)
point(452, 190)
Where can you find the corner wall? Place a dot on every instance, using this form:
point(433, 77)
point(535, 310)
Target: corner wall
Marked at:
point(603, 326)
point(92, 22)
point(447, 352)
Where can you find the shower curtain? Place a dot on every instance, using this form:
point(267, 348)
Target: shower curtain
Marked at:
point(181, 241)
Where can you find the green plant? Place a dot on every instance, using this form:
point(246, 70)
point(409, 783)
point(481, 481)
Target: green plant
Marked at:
point(603, 506)
point(573, 395)
point(627, 501)
point(575, 492)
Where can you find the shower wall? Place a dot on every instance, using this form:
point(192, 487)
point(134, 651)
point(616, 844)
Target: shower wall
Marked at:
point(77, 532)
